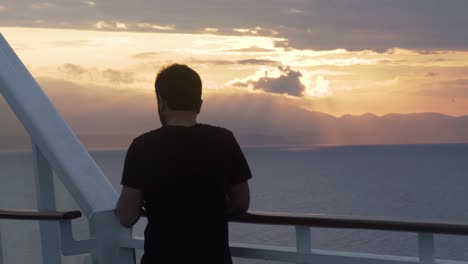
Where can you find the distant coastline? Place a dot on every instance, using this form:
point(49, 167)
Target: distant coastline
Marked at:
point(305, 130)
point(102, 144)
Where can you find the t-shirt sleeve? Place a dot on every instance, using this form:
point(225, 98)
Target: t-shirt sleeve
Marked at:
point(237, 168)
point(132, 173)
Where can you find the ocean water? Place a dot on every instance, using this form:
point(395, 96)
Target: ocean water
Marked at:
point(405, 181)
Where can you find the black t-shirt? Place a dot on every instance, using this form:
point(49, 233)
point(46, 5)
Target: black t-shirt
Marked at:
point(184, 173)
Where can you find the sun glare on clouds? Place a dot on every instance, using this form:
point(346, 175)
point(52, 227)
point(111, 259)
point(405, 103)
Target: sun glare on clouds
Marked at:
point(248, 64)
point(90, 3)
point(110, 25)
point(318, 88)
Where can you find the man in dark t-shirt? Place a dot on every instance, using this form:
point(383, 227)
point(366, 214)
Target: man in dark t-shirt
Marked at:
point(189, 178)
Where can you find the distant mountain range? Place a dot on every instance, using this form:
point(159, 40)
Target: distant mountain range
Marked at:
point(295, 126)
point(273, 125)
point(421, 128)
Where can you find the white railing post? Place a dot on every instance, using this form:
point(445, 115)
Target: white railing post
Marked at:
point(303, 243)
point(1, 249)
point(45, 196)
point(107, 234)
point(74, 166)
point(426, 249)
point(87, 260)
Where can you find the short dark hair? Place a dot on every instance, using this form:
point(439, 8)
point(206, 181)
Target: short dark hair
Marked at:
point(180, 86)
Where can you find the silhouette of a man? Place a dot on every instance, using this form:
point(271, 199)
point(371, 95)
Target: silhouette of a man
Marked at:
point(189, 177)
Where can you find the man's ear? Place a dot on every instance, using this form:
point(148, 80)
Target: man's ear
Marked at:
point(161, 103)
point(199, 106)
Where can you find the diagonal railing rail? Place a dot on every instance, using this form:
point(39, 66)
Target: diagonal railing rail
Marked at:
point(58, 149)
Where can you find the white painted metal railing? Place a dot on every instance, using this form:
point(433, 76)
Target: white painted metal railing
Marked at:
point(1, 249)
point(301, 253)
point(56, 148)
point(304, 252)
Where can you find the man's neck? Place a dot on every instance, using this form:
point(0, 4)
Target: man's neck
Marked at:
point(181, 118)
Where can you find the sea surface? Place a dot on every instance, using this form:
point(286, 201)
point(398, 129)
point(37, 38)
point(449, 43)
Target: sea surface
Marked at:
point(403, 181)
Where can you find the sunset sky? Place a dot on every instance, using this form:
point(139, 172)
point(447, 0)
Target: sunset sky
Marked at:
point(335, 57)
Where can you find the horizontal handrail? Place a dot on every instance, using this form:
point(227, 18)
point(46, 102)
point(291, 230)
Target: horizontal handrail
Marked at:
point(268, 218)
point(39, 215)
point(325, 221)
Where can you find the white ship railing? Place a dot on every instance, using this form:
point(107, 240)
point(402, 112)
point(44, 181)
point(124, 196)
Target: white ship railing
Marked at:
point(57, 149)
point(301, 253)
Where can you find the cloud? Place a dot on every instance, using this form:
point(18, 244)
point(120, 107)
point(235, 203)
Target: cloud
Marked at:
point(42, 5)
point(110, 25)
point(256, 31)
point(145, 55)
point(156, 27)
point(90, 3)
point(259, 62)
point(73, 69)
point(130, 26)
point(431, 52)
point(2, 8)
point(322, 24)
point(250, 49)
point(211, 30)
point(319, 88)
point(72, 43)
point(115, 76)
point(451, 89)
point(294, 11)
point(284, 44)
point(196, 61)
point(109, 76)
point(288, 82)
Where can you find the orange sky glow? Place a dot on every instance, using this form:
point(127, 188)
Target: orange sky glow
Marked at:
point(336, 82)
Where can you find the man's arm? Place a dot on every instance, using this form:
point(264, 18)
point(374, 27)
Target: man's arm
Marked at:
point(238, 198)
point(129, 206)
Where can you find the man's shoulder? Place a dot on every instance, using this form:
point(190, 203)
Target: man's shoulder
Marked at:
point(215, 129)
point(147, 135)
point(164, 131)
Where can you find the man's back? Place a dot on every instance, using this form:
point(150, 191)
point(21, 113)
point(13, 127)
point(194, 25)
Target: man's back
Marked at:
point(184, 173)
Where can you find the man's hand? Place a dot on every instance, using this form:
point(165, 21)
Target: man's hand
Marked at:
point(129, 206)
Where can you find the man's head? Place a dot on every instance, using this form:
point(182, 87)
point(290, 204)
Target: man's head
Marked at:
point(179, 88)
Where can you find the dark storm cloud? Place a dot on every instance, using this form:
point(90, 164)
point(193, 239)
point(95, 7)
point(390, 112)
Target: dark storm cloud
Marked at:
point(287, 83)
point(321, 24)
